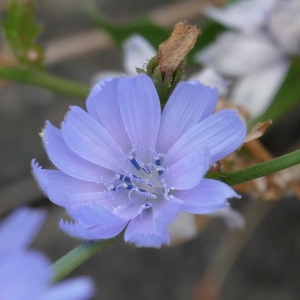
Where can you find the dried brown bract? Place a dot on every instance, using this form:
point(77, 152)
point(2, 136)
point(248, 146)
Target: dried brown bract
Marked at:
point(257, 131)
point(173, 51)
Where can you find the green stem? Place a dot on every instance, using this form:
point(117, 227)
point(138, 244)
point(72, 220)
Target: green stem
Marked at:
point(77, 256)
point(42, 79)
point(263, 169)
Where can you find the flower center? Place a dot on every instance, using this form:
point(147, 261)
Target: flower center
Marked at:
point(141, 179)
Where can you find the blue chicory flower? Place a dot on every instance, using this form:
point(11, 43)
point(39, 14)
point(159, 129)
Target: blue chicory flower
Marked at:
point(26, 274)
point(123, 164)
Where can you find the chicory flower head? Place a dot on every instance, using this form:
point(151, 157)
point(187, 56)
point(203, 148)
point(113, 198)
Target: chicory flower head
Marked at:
point(125, 165)
point(27, 274)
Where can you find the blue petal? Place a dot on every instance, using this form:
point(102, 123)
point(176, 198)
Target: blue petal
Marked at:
point(149, 228)
point(190, 103)
point(75, 289)
point(24, 275)
point(165, 212)
point(117, 202)
point(86, 137)
point(188, 171)
point(94, 214)
point(221, 133)
point(103, 105)
point(93, 222)
point(26, 222)
point(60, 187)
point(68, 161)
point(140, 109)
point(208, 196)
point(143, 232)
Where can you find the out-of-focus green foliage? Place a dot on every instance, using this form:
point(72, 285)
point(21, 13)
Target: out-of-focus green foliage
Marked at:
point(151, 32)
point(45, 80)
point(287, 97)
point(21, 30)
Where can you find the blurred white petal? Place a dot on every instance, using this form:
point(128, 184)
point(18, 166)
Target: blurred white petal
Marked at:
point(210, 77)
point(246, 15)
point(284, 26)
point(184, 227)
point(232, 218)
point(235, 54)
point(255, 92)
point(137, 52)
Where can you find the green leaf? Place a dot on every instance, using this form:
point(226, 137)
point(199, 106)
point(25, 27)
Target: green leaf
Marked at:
point(21, 30)
point(287, 96)
point(153, 33)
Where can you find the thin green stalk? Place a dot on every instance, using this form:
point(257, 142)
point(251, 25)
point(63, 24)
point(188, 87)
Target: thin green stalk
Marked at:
point(263, 169)
point(45, 80)
point(77, 256)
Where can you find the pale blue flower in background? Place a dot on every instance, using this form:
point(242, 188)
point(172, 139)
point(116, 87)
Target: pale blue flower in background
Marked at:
point(27, 274)
point(235, 54)
point(137, 52)
point(255, 67)
point(243, 15)
point(210, 77)
point(279, 19)
point(124, 165)
point(284, 26)
point(255, 55)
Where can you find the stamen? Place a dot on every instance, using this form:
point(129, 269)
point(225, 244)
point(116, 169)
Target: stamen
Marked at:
point(157, 161)
point(123, 178)
point(112, 188)
point(146, 194)
point(142, 180)
point(129, 187)
point(159, 172)
point(166, 190)
point(159, 169)
point(141, 192)
point(134, 162)
point(146, 206)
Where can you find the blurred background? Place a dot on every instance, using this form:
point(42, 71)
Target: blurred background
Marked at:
point(261, 261)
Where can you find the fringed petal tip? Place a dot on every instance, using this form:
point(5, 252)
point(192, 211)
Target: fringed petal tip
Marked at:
point(75, 230)
point(39, 175)
point(144, 231)
point(71, 228)
point(91, 232)
point(147, 240)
